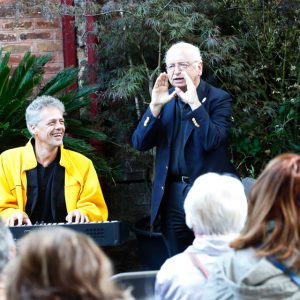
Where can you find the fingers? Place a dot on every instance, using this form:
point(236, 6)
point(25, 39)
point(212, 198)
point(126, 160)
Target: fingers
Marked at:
point(27, 221)
point(11, 220)
point(75, 216)
point(162, 80)
point(18, 219)
point(189, 82)
point(169, 97)
point(70, 216)
point(180, 94)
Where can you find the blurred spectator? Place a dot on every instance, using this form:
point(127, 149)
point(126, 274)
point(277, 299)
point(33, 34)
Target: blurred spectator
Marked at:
point(60, 264)
point(266, 260)
point(216, 209)
point(7, 251)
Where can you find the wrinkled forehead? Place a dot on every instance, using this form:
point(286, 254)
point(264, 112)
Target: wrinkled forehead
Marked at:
point(50, 112)
point(179, 53)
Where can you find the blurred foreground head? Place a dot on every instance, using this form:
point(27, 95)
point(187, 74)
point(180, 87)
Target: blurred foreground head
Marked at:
point(273, 224)
point(216, 205)
point(60, 264)
point(7, 246)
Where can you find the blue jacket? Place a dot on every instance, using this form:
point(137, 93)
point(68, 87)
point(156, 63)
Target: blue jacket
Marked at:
point(206, 139)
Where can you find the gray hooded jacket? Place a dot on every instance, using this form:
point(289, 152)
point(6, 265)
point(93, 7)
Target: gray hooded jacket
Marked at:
point(243, 275)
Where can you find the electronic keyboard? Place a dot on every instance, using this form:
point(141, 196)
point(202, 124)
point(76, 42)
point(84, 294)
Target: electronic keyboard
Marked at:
point(110, 233)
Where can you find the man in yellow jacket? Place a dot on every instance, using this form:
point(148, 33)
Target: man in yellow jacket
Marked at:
point(42, 181)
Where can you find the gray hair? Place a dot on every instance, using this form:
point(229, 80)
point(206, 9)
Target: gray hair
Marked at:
point(33, 111)
point(195, 51)
point(216, 204)
point(7, 245)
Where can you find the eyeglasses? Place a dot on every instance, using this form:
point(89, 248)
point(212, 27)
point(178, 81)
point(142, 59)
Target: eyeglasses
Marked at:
point(181, 66)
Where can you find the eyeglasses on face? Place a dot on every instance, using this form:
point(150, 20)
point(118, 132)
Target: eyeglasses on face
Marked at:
point(181, 66)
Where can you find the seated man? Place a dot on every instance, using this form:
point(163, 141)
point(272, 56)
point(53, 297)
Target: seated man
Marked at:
point(42, 181)
point(216, 210)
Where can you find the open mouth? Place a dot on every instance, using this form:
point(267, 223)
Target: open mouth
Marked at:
point(178, 79)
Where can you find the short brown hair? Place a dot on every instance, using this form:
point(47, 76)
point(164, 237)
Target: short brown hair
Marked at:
point(273, 224)
point(60, 264)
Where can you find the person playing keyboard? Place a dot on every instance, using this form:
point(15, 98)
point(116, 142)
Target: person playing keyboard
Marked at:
point(44, 182)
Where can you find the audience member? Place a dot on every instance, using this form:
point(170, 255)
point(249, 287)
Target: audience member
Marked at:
point(7, 251)
point(60, 264)
point(215, 209)
point(266, 260)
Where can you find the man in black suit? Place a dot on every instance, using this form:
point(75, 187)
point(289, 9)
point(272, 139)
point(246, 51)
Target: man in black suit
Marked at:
point(189, 126)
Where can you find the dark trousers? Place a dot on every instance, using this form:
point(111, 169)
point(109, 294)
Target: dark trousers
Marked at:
point(176, 234)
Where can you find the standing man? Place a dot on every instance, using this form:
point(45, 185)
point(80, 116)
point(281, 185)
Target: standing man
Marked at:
point(189, 126)
point(42, 181)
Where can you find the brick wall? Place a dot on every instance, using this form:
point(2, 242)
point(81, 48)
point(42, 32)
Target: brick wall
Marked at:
point(31, 32)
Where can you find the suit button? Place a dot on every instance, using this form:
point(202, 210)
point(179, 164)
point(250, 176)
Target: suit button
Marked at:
point(162, 188)
point(167, 167)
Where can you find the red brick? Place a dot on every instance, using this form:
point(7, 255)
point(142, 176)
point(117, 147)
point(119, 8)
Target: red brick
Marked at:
point(41, 24)
point(4, 2)
point(6, 11)
point(57, 57)
point(35, 35)
point(8, 37)
point(47, 77)
point(16, 25)
point(16, 48)
point(58, 35)
point(53, 68)
point(50, 46)
point(15, 59)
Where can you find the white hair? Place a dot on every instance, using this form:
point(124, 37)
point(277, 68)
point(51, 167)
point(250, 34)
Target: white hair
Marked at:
point(33, 111)
point(194, 51)
point(216, 204)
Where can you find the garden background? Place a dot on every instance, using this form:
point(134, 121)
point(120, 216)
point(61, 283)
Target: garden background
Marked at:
point(101, 58)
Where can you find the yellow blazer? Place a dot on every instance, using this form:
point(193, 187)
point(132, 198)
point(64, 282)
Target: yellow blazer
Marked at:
point(82, 188)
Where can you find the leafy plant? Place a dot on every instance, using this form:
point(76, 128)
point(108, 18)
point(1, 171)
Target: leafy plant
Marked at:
point(250, 49)
point(266, 87)
point(133, 39)
point(26, 82)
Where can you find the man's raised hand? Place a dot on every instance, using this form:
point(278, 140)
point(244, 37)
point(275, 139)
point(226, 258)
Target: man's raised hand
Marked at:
point(190, 96)
point(160, 95)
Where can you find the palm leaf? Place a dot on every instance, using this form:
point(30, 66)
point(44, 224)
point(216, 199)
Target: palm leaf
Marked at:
point(60, 82)
point(78, 145)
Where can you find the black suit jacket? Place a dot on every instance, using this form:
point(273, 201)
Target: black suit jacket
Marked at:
point(205, 141)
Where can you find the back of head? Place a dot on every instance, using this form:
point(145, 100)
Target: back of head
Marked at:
point(216, 204)
point(33, 111)
point(7, 245)
point(60, 264)
point(274, 210)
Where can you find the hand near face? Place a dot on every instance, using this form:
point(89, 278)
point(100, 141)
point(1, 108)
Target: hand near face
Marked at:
point(18, 219)
point(160, 95)
point(190, 96)
point(75, 216)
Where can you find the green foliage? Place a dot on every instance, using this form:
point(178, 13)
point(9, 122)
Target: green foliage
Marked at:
point(266, 89)
point(24, 83)
point(250, 48)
